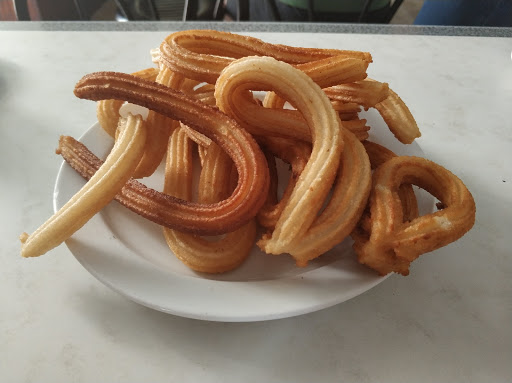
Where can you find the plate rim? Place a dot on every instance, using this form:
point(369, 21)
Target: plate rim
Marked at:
point(77, 248)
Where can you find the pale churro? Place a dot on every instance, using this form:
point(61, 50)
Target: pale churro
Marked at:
point(96, 193)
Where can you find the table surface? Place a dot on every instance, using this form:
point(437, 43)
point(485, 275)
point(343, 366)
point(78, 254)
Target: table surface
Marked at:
point(449, 321)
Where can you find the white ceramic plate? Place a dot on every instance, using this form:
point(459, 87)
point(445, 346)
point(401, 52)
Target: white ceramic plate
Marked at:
point(129, 254)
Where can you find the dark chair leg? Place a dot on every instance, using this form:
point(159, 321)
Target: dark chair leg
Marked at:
point(273, 10)
point(311, 10)
point(364, 11)
point(121, 6)
point(21, 8)
point(218, 10)
point(393, 10)
point(242, 13)
point(190, 12)
point(153, 10)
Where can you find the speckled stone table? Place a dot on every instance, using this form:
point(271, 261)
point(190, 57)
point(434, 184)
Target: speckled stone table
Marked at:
point(449, 321)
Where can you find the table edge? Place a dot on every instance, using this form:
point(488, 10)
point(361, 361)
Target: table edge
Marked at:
point(283, 27)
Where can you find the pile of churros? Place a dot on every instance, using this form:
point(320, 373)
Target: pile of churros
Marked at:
point(202, 108)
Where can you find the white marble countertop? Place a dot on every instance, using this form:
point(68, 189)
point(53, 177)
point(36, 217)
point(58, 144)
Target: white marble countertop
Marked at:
point(449, 321)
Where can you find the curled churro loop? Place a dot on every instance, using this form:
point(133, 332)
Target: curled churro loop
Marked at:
point(253, 179)
point(200, 254)
point(96, 193)
point(203, 54)
point(349, 196)
point(265, 73)
point(393, 244)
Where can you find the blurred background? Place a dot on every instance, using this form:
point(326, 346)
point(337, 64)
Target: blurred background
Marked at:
point(420, 12)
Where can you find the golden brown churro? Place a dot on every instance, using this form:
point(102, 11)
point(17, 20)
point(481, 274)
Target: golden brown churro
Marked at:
point(206, 95)
point(314, 183)
point(392, 243)
point(253, 179)
point(343, 210)
point(203, 54)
